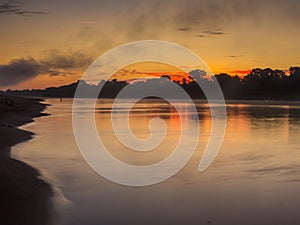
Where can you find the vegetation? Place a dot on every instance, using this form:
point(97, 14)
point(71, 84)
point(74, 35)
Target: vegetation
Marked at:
point(258, 84)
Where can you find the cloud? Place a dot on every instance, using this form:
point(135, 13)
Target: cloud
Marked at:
point(54, 63)
point(207, 33)
point(234, 56)
point(195, 17)
point(217, 32)
point(19, 70)
point(221, 13)
point(13, 8)
point(56, 73)
point(181, 15)
point(59, 59)
point(156, 19)
point(185, 29)
point(199, 35)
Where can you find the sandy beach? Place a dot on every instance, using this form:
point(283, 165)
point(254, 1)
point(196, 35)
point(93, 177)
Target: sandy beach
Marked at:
point(25, 198)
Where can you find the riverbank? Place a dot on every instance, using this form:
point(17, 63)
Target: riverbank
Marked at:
point(25, 198)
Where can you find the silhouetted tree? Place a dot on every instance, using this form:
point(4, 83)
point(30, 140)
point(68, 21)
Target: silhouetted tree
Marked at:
point(258, 84)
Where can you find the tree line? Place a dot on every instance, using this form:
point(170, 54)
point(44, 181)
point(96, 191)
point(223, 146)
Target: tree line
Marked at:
point(260, 83)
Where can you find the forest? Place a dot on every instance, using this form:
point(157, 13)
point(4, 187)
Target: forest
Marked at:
point(259, 84)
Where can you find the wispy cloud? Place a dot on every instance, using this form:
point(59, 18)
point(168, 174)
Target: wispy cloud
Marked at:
point(185, 29)
point(56, 73)
point(234, 56)
point(214, 32)
point(14, 8)
point(199, 35)
point(206, 33)
point(59, 59)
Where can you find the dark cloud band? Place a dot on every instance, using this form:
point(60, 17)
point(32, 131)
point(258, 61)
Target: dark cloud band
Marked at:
point(54, 63)
point(14, 8)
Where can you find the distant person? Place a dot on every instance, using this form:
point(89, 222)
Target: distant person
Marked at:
point(61, 99)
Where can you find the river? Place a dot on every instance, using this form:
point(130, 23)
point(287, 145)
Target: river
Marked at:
point(255, 178)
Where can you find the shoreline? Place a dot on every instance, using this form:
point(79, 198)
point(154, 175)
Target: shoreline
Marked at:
point(25, 197)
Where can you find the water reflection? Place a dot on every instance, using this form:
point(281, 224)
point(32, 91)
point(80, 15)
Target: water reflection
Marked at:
point(255, 180)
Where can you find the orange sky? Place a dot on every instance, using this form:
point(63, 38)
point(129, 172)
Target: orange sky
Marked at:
point(149, 70)
point(66, 37)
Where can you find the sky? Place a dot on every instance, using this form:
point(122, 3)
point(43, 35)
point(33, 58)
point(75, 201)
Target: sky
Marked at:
point(51, 43)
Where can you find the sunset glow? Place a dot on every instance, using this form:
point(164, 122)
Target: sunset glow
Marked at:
point(151, 70)
point(59, 40)
point(149, 112)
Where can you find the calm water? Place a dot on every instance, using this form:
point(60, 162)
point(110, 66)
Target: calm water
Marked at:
point(254, 180)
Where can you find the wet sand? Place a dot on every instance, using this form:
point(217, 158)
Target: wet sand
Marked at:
point(25, 198)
